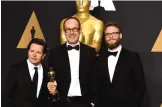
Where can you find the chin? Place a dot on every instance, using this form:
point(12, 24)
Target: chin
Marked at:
point(73, 42)
point(35, 63)
point(113, 46)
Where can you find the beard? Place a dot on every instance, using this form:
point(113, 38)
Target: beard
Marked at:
point(114, 45)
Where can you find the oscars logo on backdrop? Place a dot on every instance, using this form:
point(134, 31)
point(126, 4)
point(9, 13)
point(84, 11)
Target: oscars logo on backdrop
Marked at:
point(32, 30)
point(158, 43)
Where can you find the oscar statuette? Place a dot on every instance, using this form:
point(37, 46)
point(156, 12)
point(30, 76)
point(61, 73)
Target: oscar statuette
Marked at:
point(53, 97)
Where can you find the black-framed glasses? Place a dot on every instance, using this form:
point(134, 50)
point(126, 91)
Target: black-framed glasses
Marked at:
point(73, 30)
point(113, 34)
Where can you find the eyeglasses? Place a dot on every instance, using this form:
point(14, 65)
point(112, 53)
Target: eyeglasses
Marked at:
point(74, 30)
point(113, 34)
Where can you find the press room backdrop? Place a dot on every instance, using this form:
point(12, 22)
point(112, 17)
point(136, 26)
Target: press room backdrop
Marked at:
point(141, 23)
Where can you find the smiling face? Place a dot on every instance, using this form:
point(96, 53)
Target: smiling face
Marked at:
point(83, 5)
point(112, 37)
point(72, 31)
point(35, 53)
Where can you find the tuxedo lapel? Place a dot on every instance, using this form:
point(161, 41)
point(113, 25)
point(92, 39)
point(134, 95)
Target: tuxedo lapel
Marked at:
point(26, 73)
point(81, 61)
point(104, 63)
point(44, 81)
point(118, 65)
point(66, 61)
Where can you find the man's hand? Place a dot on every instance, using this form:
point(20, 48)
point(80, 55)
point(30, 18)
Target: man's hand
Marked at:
point(52, 87)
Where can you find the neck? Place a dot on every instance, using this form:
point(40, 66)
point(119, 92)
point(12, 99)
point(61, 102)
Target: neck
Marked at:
point(82, 15)
point(73, 44)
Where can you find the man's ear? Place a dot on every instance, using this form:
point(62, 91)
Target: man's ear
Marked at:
point(120, 35)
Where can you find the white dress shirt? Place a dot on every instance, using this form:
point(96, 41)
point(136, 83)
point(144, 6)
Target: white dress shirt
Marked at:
point(112, 61)
point(74, 59)
point(40, 74)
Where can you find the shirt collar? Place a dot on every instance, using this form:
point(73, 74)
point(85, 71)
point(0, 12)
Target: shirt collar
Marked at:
point(67, 43)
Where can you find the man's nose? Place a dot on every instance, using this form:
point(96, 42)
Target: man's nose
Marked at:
point(111, 36)
point(71, 31)
point(34, 54)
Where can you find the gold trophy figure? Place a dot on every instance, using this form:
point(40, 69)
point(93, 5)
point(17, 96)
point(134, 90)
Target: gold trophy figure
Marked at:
point(54, 97)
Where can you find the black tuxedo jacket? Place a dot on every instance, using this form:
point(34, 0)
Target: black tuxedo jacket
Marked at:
point(59, 61)
point(18, 90)
point(128, 85)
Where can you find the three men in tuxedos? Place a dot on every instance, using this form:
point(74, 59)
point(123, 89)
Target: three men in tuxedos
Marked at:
point(73, 63)
point(120, 74)
point(27, 81)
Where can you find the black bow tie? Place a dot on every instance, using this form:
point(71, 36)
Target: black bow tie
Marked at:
point(111, 53)
point(75, 47)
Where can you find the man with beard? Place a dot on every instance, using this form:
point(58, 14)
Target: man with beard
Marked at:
point(120, 72)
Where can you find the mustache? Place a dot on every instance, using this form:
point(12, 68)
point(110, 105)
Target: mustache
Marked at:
point(111, 39)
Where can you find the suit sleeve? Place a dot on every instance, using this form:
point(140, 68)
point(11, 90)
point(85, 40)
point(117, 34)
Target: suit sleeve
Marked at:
point(138, 80)
point(10, 88)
